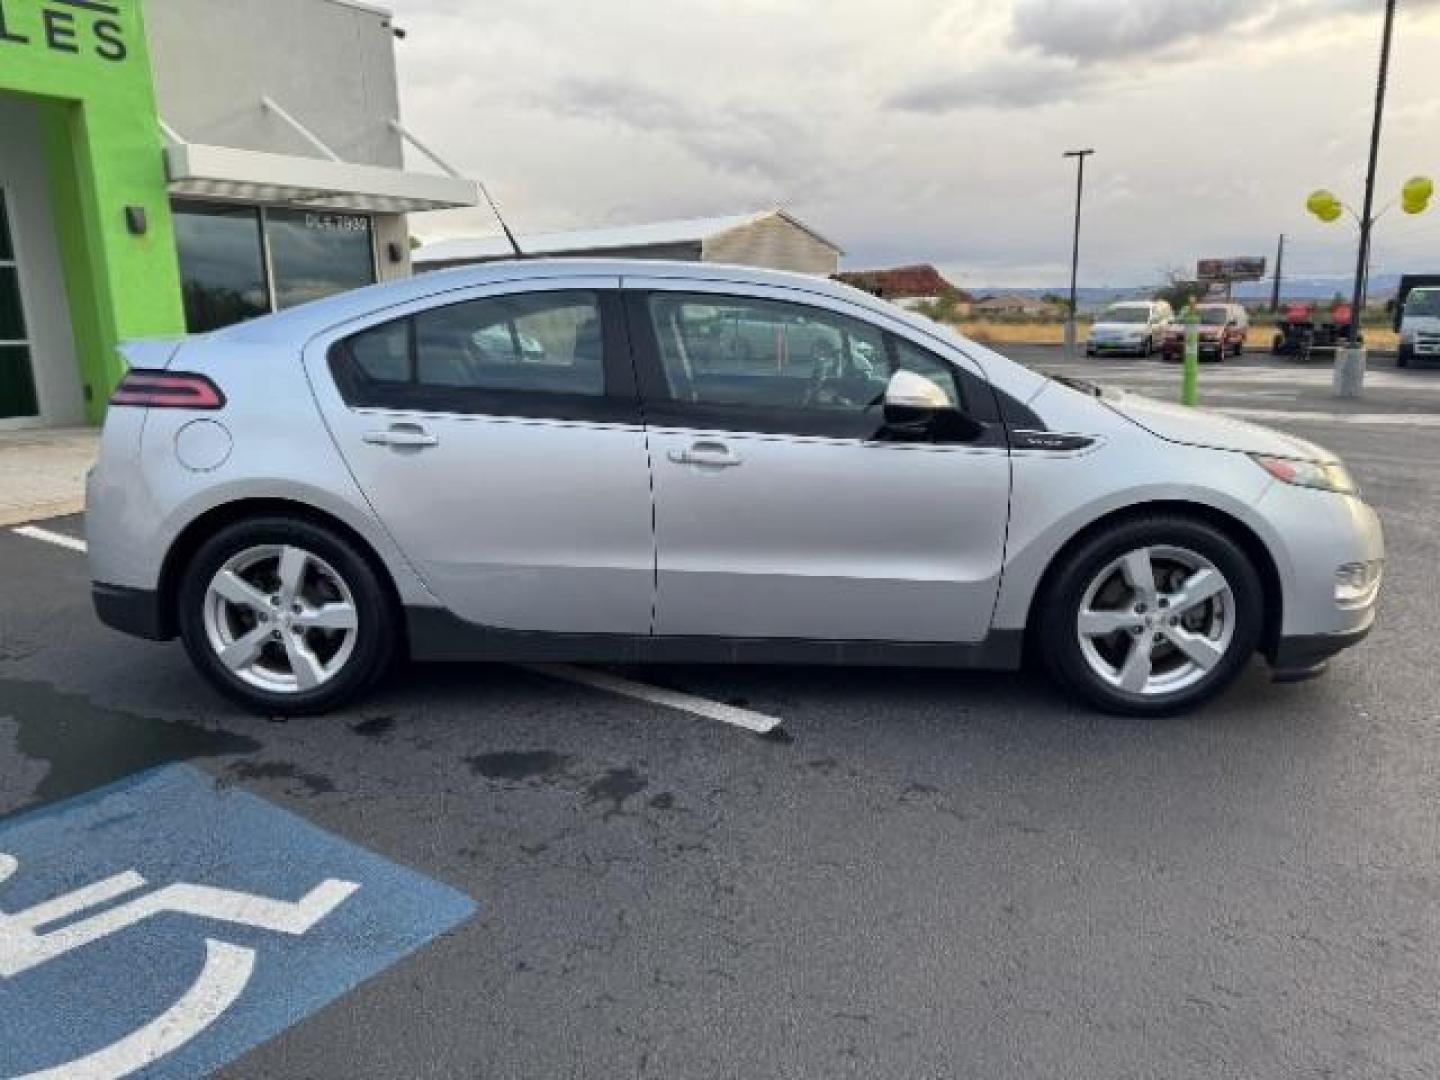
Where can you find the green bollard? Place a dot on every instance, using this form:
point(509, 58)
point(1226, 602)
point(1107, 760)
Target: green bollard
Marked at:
point(1190, 378)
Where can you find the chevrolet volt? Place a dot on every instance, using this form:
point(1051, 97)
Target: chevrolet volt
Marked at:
point(644, 462)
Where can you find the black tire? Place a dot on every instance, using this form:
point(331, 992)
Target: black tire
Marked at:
point(376, 631)
point(1058, 608)
point(1404, 356)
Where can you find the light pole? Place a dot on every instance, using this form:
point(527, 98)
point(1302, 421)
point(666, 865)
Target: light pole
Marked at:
point(1362, 259)
point(1070, 328)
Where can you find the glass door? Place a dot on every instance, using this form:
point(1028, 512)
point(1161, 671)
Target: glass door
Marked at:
point(17, 381)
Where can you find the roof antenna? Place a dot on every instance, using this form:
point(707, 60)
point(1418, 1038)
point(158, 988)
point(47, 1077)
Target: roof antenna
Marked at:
point(514, 244)
point(406, 134)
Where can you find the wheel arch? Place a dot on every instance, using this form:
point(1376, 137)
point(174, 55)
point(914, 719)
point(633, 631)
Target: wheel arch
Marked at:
point(1237, 530)
point(206, 525)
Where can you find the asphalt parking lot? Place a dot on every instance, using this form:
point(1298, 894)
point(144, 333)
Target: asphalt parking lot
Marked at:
point(920, 874)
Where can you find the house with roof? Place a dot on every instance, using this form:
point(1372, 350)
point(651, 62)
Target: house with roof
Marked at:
point(1015, 304)
point(774, 239)
point(908, 286)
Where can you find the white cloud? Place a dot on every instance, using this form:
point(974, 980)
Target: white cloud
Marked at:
point(1097, 30)
point(926, 129)
point(1012, 83)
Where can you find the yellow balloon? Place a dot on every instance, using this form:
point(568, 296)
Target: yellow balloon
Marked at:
point(1414, 206)
point(1330, 213)
point(1321, 202)
point(1417, 189)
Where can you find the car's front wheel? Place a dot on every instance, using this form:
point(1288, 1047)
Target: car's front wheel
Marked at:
point(285, 617)
point(1151, 616)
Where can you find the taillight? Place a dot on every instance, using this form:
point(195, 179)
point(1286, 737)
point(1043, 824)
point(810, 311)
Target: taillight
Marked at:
point(167, 390)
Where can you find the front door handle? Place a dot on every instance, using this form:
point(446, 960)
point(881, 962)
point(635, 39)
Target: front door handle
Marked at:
point(713, 455)
point(401, 435)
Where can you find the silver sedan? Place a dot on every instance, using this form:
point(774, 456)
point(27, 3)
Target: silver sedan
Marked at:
point(648, 462)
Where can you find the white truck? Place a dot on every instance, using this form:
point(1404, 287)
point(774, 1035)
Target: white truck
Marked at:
point(1417, 317)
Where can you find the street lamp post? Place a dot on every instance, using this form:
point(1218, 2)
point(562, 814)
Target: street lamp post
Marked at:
point(1350, 362)
point(1070, 328)
point(1362, 261)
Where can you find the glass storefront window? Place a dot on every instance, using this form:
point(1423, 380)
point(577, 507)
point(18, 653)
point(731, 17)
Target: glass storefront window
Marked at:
point(238, 262)
point(17, 381)
point(7, 250)
point(316, 253)
point(222, 265)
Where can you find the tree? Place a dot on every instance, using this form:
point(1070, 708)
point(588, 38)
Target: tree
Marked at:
point(1179, 290)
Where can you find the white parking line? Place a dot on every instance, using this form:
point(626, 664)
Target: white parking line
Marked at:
point(759, 723)
point(35, 532)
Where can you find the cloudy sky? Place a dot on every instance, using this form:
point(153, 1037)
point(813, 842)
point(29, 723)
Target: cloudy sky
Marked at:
point(931, 130)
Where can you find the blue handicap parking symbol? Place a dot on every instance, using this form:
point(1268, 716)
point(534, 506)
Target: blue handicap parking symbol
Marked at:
point(166, 925)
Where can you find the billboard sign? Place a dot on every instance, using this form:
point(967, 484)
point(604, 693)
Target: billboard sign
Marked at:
point(1241, 268)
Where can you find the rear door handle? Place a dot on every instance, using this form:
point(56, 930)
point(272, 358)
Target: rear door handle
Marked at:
point(711, 455)
point(402, 435)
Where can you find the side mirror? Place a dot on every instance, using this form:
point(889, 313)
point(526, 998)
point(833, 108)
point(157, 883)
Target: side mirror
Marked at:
point(917, 409)
point(913, 394)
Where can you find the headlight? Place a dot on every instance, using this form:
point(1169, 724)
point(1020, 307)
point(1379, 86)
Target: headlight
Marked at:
point(1309, 474)
point(1357, 583)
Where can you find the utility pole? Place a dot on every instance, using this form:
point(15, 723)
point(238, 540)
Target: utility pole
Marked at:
point(1279, 275)
point(1070, 326)
point(1350, 365)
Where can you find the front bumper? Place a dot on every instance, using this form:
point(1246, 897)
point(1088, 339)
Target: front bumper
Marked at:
point(1305, 656)
point(1095, 348)
point(1317, 534)
point(1175, 350)
point(137, 612)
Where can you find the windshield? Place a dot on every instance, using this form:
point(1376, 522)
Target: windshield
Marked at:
point(1423, 302)
point(1213, 316)
point(1126, 315)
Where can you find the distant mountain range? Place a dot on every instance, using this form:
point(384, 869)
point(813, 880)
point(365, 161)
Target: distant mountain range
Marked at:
point(1310, 287)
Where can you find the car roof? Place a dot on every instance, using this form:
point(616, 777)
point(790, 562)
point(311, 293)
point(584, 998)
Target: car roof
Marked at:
point(307, 320)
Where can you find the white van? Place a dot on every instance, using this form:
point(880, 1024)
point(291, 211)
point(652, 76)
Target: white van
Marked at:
point(1420, 326)
point(1131, 326)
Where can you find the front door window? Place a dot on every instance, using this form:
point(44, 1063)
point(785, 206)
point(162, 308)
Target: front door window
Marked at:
point(17, 380)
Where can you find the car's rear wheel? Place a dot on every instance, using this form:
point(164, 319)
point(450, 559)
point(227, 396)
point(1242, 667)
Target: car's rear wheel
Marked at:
point(285, 617)
point(1152, 616)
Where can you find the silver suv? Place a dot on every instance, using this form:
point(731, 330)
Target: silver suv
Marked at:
point(650, 462)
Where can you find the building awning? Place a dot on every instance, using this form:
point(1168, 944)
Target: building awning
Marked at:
point(222, 172)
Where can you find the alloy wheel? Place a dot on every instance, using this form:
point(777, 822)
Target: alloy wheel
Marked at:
point(1156, 621)
point(280, 618)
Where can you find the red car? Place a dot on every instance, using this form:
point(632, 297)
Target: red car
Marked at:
point(1222, 333)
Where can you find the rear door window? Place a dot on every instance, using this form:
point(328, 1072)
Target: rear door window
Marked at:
point(539, 354)
point(536, 343)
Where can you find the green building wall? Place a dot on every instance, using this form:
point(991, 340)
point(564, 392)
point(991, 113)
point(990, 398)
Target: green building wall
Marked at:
point(90, 72)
